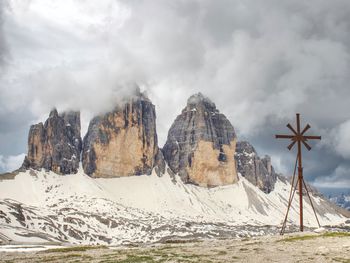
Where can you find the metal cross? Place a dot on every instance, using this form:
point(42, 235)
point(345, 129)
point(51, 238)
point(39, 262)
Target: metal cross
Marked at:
point(299, 138)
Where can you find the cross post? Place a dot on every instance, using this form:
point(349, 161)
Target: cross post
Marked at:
point(300, 139)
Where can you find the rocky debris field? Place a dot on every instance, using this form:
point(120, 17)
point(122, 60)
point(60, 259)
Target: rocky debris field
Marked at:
point(306, 247)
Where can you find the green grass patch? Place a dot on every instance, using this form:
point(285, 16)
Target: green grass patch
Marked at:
point(73, 249)
point(190, 256)
point(181, 241)
point(336, 234)
point(221, 253)
point(308, 237)
point(62, 257)
point(112, 254)
point(253, 243)
point(165, 248)
point(342, 260)
point(181, 257)
point(298, 238)
point(137, 259)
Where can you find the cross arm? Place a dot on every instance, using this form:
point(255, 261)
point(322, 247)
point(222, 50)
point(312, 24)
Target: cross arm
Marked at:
point(291, 145)
point(292, 129)
point(284, 136)
point(308, 147)
point(307, 127)
point(312, 137)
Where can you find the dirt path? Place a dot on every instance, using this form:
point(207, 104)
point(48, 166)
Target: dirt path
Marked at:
point(330, 247)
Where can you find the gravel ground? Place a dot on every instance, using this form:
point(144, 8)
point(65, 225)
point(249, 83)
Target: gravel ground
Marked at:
point(306, 247)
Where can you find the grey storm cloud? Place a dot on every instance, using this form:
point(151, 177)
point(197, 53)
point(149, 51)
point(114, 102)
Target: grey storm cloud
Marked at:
point(259, 61)
point(3, 43)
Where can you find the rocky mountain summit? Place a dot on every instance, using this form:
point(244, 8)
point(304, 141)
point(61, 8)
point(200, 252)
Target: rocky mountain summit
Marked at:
point(256, 170)
point(200, 147)
point(201, 144)
point(55, 145)
point(123, 142)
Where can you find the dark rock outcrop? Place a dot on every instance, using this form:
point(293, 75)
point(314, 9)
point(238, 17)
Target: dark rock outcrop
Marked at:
point(55, 145)
point(201, 144)
point(123, 142)
point(256, 170)
point(342, 200)
point(159, 164)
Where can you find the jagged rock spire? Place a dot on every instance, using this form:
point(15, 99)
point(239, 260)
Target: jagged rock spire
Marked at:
point(53, 113)
point(199, 100)
point(123, 142)
point(201, 143)
point(256, 170)
point(55, 145)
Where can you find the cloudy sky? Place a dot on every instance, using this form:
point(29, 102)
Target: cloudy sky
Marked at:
point(259, 61)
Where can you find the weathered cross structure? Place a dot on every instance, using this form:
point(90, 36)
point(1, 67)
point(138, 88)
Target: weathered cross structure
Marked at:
point(298, 137)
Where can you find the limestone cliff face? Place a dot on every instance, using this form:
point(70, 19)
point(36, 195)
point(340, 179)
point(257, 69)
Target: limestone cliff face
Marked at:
point(256, 170)
point(201, 144)
point(123, 142)
point(55, 145)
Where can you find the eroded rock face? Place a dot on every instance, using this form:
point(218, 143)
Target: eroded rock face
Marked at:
point(201, 144)
point(123, 142)
point(55, 145)
point(256, 170)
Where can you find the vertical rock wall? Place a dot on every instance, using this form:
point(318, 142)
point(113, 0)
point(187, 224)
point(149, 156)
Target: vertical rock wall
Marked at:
point(256, 170)
point(123, 142)
point(201, 144)
point(55, 145)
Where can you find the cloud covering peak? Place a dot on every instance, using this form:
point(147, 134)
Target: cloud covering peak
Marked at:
point(259, 62)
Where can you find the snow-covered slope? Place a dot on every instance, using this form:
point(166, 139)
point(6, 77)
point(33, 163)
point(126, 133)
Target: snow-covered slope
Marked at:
point(44, 206)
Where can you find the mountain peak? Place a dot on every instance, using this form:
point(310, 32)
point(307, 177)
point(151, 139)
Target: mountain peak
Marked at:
point(199, 98)
point(208, 142)
point(55, 146)
point(53, 113)
point(134, 93)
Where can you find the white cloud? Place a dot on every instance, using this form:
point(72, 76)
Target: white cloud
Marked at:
point(339, 179)
point(11, 163)
point(340, 138)
point(260, 62)
point(256, 60)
